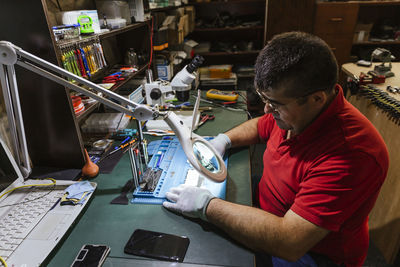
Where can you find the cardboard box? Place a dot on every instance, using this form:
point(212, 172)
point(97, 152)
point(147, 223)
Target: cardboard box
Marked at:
point(181, 26)
point(138, 11)
point(185, 24)
point(220, 71)
point(189, 46)
point(190, 11)
point(164, 71)
point(170, 23)
point(361, 32)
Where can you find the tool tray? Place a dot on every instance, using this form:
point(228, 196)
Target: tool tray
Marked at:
point(168, 155)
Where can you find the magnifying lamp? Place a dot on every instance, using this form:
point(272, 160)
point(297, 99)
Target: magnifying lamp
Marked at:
point(200, 153)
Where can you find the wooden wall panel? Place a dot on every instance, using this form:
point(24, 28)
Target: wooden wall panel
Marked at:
point(288, 15)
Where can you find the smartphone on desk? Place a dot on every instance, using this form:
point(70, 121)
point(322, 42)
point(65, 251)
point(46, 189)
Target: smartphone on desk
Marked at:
point(157, 245)
point(91, 256)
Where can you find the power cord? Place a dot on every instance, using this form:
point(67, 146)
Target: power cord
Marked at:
point(30, 185)
point(3, 261)
point(223, 106)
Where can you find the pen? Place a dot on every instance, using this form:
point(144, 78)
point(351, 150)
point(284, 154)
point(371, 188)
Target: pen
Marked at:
point(55, 204)
point(126, 139)
point(121, 147)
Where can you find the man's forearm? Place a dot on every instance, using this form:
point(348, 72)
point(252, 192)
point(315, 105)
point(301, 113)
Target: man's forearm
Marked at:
point(244, 134)
point(286, 237)
point(246, 224)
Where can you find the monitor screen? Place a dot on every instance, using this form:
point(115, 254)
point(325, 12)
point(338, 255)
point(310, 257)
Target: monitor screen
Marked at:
point(8, 173)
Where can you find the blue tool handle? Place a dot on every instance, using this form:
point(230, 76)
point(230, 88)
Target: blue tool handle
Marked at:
point(85, 62)
point(124, 141)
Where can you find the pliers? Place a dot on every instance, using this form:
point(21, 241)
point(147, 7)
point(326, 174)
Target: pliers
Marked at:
point(204, 118)
point(115, 77)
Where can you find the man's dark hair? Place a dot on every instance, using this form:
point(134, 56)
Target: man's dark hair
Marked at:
point(301, 61)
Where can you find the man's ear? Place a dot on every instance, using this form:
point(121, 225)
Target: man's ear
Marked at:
point(319, 98)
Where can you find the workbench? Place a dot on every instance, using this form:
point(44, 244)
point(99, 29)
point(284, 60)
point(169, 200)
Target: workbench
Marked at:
point(384, 219)
point(103, 223)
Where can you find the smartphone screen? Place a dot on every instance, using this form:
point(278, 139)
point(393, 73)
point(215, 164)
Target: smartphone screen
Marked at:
point(157, 245)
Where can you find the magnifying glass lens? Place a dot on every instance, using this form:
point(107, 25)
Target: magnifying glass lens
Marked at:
point(206, 157)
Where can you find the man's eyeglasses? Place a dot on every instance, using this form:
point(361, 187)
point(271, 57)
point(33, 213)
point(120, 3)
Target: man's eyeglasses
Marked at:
point(275, 106)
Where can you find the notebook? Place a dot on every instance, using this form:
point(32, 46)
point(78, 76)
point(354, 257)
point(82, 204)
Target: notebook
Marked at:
point(32, 221)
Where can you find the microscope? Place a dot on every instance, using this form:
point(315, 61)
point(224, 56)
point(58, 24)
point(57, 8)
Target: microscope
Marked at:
point(157, 92)
point(386, 57)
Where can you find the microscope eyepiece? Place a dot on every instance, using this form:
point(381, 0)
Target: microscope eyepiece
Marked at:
point(195, 63)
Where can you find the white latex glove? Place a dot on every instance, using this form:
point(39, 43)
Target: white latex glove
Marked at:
point(221, 143)
point(188, 200)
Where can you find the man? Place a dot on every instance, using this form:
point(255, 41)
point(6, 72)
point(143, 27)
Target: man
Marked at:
point(323, 166)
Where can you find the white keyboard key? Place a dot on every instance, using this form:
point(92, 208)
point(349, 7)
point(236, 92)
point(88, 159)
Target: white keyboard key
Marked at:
point(5, 253)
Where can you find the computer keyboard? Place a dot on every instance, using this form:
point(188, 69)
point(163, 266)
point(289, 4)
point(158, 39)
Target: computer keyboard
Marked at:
point(17, 221)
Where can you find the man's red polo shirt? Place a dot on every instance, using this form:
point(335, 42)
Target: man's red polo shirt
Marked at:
point(330, 175)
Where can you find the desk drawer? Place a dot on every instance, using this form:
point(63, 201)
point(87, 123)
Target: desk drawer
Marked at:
point(340, 45)
point(335, 18)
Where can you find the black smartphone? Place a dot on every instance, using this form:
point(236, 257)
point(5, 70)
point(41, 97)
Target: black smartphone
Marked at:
point(157, 245)
point(91, 256)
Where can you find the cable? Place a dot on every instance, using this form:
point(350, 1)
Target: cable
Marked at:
point(220, 105)
point(59, 7)
point(3, 261)
point(31, 185)
point(151, 42)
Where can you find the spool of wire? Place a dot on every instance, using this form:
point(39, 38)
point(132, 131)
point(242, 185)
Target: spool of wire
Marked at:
point(78, 105)
point(101, 144)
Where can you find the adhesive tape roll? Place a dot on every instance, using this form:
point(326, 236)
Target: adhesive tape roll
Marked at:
point(101, 144)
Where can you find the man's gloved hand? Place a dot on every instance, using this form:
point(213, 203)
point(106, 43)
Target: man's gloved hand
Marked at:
point(221, 143)
point(191, 201)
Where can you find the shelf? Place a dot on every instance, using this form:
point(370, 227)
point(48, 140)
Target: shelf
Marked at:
point(238, 28)
point(376, 3)
point(130, 27)
point(207, 54)
point(377, 43)
point(91, 107)
point(225, 2)
point(120, 84)
point(103, 35)
point(161, 9)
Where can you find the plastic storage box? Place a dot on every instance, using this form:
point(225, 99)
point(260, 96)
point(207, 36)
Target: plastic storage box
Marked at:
point(105, 123)
point(114, 10)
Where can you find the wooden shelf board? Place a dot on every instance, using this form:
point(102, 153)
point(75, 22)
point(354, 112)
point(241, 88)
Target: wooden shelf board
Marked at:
point(120, 84)
point(230, 53)
point(377, 43)
point(130, 27)
point(161, 9)
point(103, 35)
point(376, 3)
point(88, 110)
point(225, 2)
point(258, 27)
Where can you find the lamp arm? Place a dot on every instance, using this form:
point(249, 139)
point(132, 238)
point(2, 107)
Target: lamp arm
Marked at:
point(11, 54)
